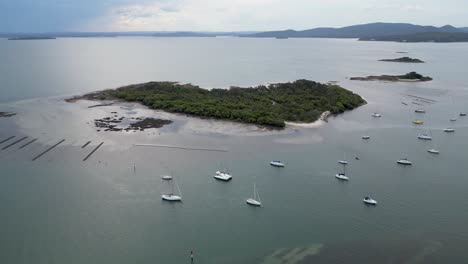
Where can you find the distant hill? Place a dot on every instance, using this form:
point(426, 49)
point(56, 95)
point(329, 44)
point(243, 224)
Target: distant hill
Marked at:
point(464, 29)
point(439, 37)
point(357, 31)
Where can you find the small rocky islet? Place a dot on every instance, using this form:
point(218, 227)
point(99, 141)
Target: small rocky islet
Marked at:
point(404, 60)
point(409, 77)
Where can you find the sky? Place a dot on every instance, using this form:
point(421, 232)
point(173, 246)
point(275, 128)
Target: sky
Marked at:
point(221, 15)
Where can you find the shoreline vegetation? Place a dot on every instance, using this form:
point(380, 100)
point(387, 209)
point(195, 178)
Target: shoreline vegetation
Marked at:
point(409, 77)
point(302, 101)
point(7, 114)
point(404, 60)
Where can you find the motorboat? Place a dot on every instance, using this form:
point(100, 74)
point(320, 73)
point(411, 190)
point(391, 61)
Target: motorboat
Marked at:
point(366, 137)
point(462, 114)
point(425, 137)
point(404, 162)
point(222, 176)
point(449, 130)
point(453, 119)
point(418, 122)
point(370, 201)
point(277, 163)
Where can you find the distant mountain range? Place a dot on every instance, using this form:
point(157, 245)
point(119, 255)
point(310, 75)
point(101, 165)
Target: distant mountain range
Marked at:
point(358, 31)
point(402, 32)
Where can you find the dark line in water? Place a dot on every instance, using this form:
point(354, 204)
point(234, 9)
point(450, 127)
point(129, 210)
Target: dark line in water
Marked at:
point(92, 152)
point(7, 139)
point(28, 143)
point(16, 142)
point(49, 149)
point(87, 143)
point(176, 147)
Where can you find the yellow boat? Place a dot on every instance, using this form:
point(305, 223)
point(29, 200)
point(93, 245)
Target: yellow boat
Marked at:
point(418, 122)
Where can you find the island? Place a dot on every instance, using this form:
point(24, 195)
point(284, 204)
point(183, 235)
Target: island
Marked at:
point(32, 38)
point(404, 60)
point(6, 114)
point(269, 106)
point(409, 77)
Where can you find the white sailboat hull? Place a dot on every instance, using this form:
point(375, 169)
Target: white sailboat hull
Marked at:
point(404, 162)
point(276, 164)
point(449, 130)
point(433, 151)
point(344, 162)
point(370, 201)
point(166, 177)
point(342, 177)
point(424, 137)
point(171, 198)
point(253, 202)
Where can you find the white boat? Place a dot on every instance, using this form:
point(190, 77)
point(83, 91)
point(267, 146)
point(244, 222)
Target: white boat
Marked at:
point(366, 137)
point(420, 111)
point(433, 151)
point(171, 197)
point(223, 176)
point(404, 162)
point(343, 161)
point(255, 201)
point(368, 200)
point(453, 119)
point(425, 137)
point(376, 115)
point(277, 163)
point(462, 114)
point(342, 176)
point(449, 130)
point(166, 177)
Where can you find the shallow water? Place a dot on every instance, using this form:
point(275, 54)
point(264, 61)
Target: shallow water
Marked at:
point(60, 209)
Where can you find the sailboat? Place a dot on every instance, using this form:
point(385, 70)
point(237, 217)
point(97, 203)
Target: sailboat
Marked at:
point(369, 200)
point(255, 201)
point(420, 111)
point(462, 114)
point(376, 115)
point(425, 137)
point(171, 197)
point(434, 150)
point(343, 161)
point(342, 176)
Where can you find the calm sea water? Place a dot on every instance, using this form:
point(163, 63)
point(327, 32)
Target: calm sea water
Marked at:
point(60, 209)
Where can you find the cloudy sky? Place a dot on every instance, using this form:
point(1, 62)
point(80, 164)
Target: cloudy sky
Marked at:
point(220, 15)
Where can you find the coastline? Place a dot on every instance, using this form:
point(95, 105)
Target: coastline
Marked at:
point(318, 123)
